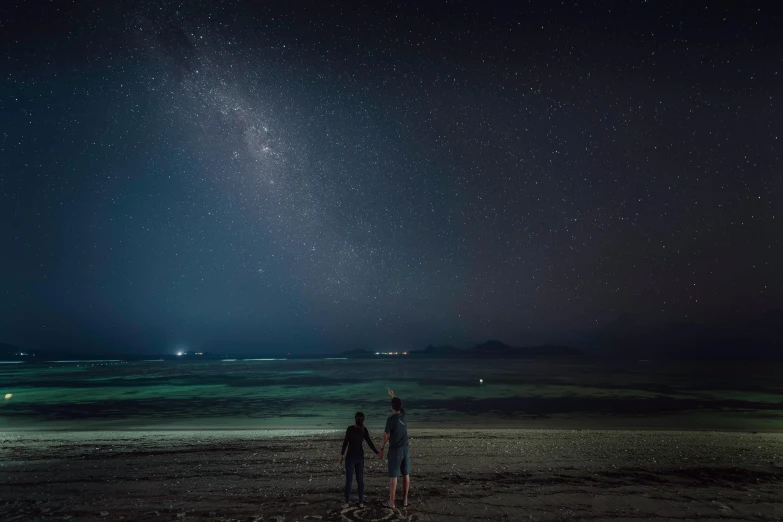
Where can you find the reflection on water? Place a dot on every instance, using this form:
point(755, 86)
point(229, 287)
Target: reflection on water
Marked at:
point(326, 393)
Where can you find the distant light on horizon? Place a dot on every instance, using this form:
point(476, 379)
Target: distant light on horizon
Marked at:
point(180, 354)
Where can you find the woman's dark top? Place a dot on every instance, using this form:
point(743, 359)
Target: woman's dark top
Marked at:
point(353, 439)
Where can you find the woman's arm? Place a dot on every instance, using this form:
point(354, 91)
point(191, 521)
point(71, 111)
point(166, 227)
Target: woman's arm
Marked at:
point(345, 445)
point(369, 443)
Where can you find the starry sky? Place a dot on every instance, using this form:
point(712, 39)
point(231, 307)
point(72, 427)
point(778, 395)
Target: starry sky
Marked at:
point(309, 176)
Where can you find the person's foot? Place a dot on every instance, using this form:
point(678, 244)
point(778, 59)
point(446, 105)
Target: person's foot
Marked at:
point(389, 504)
point(346, 505)
point(405, 503)
point(361, 505)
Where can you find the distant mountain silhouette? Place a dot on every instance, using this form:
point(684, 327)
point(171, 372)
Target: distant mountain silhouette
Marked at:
point(438, 351)
point(492, 346)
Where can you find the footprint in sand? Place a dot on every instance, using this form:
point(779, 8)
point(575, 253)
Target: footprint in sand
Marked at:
point(372, 513)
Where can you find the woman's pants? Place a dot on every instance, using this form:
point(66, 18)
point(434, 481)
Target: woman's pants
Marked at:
point(354, 465)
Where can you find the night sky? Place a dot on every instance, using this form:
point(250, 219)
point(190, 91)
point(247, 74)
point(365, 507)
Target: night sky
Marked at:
point(305, 176)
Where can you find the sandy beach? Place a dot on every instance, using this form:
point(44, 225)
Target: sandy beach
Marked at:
point(457, 475)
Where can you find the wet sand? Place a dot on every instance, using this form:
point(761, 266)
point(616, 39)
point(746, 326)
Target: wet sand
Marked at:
point(457, 475)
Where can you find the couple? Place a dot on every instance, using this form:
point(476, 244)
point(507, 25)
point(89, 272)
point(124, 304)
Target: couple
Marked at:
point(396, 433)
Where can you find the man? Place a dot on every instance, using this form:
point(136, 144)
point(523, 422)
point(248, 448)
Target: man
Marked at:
point(396, 433)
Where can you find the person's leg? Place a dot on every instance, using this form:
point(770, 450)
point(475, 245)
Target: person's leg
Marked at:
point(405, 471)
point(360, 479)
point(394, 472)
point(348, 478)
point(392, 490)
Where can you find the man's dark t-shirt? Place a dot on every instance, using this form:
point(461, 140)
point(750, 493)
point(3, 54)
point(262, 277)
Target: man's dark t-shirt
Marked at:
point(396, 427)
point(353, 439)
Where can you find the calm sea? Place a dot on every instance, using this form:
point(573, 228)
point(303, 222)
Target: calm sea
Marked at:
point(436, 393)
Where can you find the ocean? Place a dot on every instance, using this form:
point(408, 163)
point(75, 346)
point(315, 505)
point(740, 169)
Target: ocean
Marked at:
point(325, 393)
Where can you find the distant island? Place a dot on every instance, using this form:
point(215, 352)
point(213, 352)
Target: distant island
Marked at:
point(491, 349)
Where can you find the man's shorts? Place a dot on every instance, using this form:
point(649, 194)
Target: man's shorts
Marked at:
point(399, 462)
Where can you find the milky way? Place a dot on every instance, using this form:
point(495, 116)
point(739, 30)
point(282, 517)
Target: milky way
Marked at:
point(331, 225)
point(326, 175)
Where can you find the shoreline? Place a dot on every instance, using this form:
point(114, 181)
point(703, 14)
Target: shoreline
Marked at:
point(283, 431)
point(490, 474)
point(664, 424)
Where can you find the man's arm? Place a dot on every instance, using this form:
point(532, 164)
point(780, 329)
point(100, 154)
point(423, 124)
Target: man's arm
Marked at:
point(388, 424)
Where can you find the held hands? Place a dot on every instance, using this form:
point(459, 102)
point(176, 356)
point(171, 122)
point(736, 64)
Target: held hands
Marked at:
point(379, 455)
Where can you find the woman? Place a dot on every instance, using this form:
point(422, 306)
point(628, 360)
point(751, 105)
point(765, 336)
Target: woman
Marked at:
point(355, 457)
